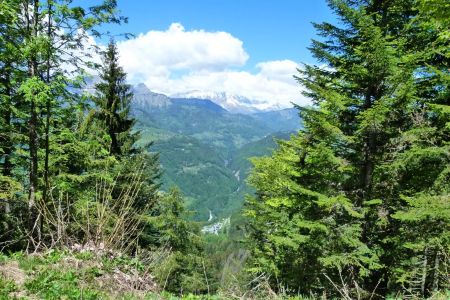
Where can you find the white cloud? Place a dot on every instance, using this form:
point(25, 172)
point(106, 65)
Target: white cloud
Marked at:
point(276, 88)
point(177, 49)
point(280, 69)
point(176, 61)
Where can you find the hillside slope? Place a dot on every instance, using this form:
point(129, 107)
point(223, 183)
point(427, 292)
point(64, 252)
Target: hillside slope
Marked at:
point(204, 149)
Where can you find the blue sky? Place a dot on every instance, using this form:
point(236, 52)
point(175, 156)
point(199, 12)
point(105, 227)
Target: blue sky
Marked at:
point(270, 29)
point(245, 47)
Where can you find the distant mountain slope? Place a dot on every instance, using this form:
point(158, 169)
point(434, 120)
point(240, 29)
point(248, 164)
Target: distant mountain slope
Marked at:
point(265, 146)
point(211, 180)
point(204, 149)
point(144, 99)
point(200, 171)
point(280, 120)
point(200, 118)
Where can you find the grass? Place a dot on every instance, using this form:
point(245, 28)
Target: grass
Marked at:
point(52, 284)
point(65, 275)
point(7, 287)
point(81, 275)
point(62, 275)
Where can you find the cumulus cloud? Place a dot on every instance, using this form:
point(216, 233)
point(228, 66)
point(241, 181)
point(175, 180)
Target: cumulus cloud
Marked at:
point(177, 49)
point(277, 88)
point(176, 61)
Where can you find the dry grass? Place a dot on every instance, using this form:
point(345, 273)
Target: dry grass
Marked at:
point(109, 221)
point(11, 271)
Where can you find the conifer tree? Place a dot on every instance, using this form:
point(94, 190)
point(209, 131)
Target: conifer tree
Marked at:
point(419, 167)
point(183, 270)
point(112, 116)
point(318, 207)
point(10, 182)
point(364, 187)
point(113, 102)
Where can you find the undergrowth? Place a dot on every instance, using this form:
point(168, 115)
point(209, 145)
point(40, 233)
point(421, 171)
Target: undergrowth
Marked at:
point(85, 275)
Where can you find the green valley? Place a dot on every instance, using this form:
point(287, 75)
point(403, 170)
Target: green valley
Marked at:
point(204, 150)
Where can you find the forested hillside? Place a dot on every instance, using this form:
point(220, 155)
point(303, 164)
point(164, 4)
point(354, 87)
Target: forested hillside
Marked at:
point(106, 188)
point(204, 149)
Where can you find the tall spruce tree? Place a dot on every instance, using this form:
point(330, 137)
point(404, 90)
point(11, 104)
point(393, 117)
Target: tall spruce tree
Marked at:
point(419, 168)
point(11, 183)
point(112, 117)
point(113, 102)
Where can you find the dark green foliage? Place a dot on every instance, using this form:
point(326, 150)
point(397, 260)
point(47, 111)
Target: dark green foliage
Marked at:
point(43, 155)
point(113, 103)
point(70, 170)
point(360, 198)
point(355, 205)
point(111, 116)
point(421, 161)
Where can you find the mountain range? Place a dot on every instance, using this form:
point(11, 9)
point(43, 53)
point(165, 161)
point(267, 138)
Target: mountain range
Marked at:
point(231, 102)
point(204, 144)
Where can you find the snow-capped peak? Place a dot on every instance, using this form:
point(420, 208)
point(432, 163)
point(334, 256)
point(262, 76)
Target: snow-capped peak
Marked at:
point(231, 102)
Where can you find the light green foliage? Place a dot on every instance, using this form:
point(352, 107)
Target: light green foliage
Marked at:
point(66, 275)
point(6, 288)
point(51, 284)
point(355, 205)
point(299, 232)
point(184, 268)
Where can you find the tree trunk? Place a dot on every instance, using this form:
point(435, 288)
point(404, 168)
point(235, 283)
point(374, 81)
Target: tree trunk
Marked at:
point(424, 272)
point(436, 273)
point(48, 111)
point(34, 221)
point(8, 149)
